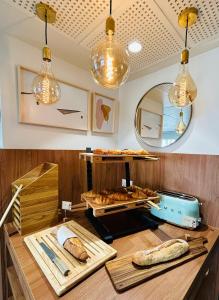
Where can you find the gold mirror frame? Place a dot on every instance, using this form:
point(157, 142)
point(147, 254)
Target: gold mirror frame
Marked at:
point(139, 137)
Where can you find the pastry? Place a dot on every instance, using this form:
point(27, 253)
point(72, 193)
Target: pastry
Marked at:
point(141, 152)
point(114, 152)
point(164, 252)
point(128, 152)
point(149, 192)
point(119, 196)
point(76, 248)
point(105, 192)
point(134, 188)
point(90, 194)
point(139, 195)
point(100, 151)
point(102, 200)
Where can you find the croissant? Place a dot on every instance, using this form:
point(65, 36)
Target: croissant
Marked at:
point(149, 192)
point(90, 194)
point(119, 196)
point(75, 247)
point(139, 195)
point(102, 200)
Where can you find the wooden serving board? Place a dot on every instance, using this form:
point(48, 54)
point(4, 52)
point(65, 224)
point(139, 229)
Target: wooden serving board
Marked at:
point(118, 206)
point(125, 275)
point(98, 251)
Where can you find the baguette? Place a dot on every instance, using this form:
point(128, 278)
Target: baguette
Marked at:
point(162, 253)
point(75, 247)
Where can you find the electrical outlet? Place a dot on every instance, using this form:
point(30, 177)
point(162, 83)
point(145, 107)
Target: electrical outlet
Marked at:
point(124, 182)
point(66, 205)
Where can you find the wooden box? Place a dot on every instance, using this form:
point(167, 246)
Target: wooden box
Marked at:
point(36, 205)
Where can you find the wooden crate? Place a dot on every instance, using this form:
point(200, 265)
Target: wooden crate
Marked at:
point(98, 251)
point(36, 206)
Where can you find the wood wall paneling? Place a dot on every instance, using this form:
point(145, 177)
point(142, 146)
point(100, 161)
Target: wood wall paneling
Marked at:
point(197, 175)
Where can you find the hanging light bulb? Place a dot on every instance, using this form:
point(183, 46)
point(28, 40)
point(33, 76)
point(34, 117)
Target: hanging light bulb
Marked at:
point(109, 61)
point(183, 91)
point(181, 127)
point(45, 88)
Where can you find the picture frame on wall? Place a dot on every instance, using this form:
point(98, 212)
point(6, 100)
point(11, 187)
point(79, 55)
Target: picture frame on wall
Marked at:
point(103, 113)
point(70, 112)
point(150, 124)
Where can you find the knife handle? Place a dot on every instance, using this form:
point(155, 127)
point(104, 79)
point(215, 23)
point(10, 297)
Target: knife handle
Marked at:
point(61, 266)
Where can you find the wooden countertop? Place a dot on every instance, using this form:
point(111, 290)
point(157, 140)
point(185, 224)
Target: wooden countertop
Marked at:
point(180, 283)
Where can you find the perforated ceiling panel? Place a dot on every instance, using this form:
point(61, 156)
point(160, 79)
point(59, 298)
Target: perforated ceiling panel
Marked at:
point(141, 20)
point(73, 16)
point(207, 26)
point(151, 22)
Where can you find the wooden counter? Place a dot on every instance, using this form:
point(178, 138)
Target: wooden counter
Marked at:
point(197, 279)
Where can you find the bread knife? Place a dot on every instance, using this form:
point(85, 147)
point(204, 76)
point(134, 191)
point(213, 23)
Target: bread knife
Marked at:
point(63, 268)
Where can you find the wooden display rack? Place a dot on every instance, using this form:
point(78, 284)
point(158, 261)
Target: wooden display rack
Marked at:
point(97, 213)
point(118, 206)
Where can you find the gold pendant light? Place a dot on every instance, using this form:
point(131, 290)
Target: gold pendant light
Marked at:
point(109, 61)
point(183, 91)
point(181, 127)
point(45, 88)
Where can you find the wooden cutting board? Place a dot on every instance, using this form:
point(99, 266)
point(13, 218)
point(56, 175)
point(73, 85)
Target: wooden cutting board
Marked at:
point(125, 275)
point(98, 251)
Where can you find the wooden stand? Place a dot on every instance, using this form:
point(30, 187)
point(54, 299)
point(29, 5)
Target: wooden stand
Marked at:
point(129, 211)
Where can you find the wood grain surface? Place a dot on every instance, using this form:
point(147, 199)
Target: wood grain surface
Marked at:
point(98, 251)
point(183, 282)
point(124, 274)
point(197, 175)
point(189, 173)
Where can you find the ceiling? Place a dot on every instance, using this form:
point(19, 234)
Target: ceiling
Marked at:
point(80, 25)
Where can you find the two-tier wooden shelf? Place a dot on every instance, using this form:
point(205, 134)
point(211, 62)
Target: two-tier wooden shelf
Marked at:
point(97, 214)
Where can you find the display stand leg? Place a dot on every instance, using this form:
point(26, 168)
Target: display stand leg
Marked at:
point(127, 174)
point(89, 176)
point(99, 226)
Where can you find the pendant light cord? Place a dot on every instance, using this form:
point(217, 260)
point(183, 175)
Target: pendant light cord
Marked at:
point(110, 7)
point(46, 27)
point(187, 21)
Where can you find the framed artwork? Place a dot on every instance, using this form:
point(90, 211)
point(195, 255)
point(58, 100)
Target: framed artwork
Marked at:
point(70, 112)
point(150, 124)
point(103, 114)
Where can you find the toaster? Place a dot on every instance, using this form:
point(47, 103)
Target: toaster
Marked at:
point(178, 209)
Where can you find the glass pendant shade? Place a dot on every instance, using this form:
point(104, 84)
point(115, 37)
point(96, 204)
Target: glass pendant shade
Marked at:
point(183, 91)
point(109, 63)
point(45, 88)
point(181, 125)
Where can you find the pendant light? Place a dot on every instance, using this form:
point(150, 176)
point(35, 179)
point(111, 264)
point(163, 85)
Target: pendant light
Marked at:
point(45, 88)
point(181, 125)
point(183, 91)
point(109, 61)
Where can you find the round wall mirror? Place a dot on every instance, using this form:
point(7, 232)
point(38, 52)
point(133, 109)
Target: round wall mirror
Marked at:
point(157, 122)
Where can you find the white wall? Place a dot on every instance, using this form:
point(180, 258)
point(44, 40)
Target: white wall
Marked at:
point(203, 133)
point(14, 52)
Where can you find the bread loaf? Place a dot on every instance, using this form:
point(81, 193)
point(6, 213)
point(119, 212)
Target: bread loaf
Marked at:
point(162, 253)
point(75, 247)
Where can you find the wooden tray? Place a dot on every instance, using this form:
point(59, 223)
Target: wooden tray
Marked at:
point(125, 275)
point(98, 251)
point(119, 158)
point(118, 206)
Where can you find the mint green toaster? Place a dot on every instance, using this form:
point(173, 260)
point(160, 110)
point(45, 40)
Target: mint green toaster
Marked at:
point(178, 209)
